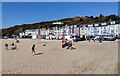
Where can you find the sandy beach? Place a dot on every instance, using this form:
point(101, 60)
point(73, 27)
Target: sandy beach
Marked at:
point(87, 58)
point(1, 58)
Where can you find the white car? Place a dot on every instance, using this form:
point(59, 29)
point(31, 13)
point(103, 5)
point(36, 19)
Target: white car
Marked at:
point(34, 37)
point(59, 37)
point(50, 37)
point(68, 37)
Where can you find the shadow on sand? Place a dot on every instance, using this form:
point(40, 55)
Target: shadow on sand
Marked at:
point(38, 53)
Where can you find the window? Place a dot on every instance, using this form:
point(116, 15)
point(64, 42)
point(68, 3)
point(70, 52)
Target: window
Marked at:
point(88, 28)
point(112, 31)
point(95, 28)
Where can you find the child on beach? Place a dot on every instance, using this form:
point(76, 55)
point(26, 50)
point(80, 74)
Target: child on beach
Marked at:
point(6, 46)
point(13, 46)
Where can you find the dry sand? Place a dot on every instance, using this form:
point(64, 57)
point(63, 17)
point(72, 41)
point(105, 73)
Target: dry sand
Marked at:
point(0, 57)
point(87, 58)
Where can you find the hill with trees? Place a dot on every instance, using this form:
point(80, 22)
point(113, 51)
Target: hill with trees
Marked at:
point(69, 21)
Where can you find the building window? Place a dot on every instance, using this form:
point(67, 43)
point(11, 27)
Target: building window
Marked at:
point(88, 28)
point(112, 31)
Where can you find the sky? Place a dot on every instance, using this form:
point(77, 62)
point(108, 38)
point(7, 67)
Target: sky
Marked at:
point(17, 13)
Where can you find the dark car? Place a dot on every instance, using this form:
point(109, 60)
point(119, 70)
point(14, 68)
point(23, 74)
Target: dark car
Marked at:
point(105, 37)
point(108, 39)
point(78, 38)
point(90, 37)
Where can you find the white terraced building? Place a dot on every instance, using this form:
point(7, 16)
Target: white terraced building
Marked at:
point(103, 28)
point(87, 30)
point(31, 32)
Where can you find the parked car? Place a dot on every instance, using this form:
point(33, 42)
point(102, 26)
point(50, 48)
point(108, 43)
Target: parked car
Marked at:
point(78, 38)
point(90, 37)
point(10, 36)
point(105, 37)
point(5, 37)
point(34, 37)
point(68, 37)
point(50, 37)
point(59, 37)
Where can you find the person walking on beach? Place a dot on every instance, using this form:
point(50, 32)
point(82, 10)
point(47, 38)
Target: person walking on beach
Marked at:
point(100, 39)
point(33, 49)
point(6, 46)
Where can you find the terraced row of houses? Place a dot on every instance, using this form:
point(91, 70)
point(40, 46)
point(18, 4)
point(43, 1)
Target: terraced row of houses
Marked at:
point(106, 28)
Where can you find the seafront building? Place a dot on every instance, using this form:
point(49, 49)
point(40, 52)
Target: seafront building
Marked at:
point(106, 28)
point(31, 33)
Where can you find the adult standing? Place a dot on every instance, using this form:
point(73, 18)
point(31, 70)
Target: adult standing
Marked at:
point(33, 49)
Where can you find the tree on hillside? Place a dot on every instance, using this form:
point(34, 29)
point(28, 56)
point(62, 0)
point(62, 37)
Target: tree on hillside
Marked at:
point(91, 17)
point(81, 19)
point(101, 16)
point(96, 17)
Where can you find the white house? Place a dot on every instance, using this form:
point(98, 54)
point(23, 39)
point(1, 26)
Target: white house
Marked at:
point(87, 30)
point(57, 23)
point(30, 32)
point(90, 30)
point(103, 28)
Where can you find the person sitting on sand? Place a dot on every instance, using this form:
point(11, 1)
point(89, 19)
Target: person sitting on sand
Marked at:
point(65, 43)
point(13, 46)
point(70, 45)
point(33, 49)
point(6, 46)
point(17, 41)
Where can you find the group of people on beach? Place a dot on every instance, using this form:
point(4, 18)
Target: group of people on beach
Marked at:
point(13, 46)
point(68, 44)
